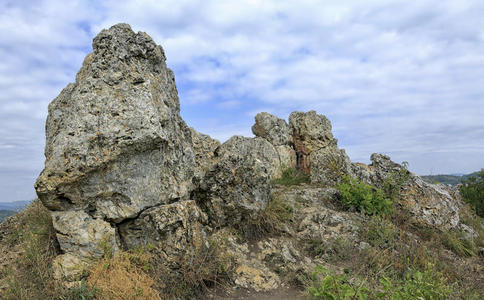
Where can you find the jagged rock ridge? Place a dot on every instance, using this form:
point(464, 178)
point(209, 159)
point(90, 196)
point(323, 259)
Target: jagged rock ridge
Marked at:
point(123, 168)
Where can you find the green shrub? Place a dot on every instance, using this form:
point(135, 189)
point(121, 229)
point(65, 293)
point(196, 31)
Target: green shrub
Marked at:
point(427, 284)
point(472, 191)
point(380, 233)
point(329, 286)
point(363, 197)
point(292, 176)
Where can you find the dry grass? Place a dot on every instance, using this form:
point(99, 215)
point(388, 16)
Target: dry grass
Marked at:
point(206, 267)
point(271, 220)
point(123, 276)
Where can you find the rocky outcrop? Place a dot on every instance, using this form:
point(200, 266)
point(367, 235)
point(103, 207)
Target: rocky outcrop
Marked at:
point(116, 144)
point(123, 169)
point(427, 204)
point(237, 186)
point(316, 148)
point(277, 132)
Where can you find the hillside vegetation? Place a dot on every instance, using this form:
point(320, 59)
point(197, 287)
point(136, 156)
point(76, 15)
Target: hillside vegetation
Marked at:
point(448, 179)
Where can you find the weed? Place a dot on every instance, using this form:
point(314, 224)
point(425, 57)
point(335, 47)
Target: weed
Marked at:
point(380, 232)
point(271, 220)
point(457, 242)
point(329, 286)
point(394, 182)
point(339, 249)
point(292, 176)
point(426, 284)
point(363, 197)
point(195, 272)
point(123, 276)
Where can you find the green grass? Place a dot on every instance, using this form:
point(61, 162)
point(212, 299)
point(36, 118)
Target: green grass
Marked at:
point(292, 176)
point(363, 198)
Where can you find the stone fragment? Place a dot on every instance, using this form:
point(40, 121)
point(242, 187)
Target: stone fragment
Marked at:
point(81, 235)
point(329, 165)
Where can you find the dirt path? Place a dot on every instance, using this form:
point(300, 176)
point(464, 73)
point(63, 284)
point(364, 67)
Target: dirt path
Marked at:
point(280, 294)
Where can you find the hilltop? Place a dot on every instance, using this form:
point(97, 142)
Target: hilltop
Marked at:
point(134, 204)
point(448, 179)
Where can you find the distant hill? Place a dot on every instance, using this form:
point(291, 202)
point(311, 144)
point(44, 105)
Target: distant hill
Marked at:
point(5, 214)
point(447, 179)
point(14, 205)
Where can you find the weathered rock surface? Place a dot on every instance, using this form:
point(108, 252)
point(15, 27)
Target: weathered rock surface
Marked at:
point(174, 228)
point(237, 186)
point(277, 132)
point(428, 204)
point(271, 128)
point(116, 143)
point(316, 148)
point(204, 148)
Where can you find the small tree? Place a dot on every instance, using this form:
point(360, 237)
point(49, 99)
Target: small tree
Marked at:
point(472, 191)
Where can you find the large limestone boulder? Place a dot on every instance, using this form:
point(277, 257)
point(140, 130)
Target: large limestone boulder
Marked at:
point(237, 186)
point(116, 144)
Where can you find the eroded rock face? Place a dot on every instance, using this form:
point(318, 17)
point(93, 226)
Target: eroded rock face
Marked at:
point(316, 148)
point(238, 185)
point(274, 130)
point(204, 148)
point(116, 143)
point(428, 204)
point(176, 229)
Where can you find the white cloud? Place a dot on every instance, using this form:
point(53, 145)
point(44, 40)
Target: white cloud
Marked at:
point(392, 76)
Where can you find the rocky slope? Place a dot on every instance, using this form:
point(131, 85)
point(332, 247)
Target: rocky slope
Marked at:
point(123, 170)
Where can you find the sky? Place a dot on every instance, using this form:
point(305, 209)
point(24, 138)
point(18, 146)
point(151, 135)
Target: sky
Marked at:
point(396, 77)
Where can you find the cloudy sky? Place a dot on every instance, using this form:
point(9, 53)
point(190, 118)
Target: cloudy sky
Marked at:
point(393, 77)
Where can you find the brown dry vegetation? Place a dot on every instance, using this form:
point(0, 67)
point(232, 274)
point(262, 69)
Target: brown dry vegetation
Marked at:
point(28, 247)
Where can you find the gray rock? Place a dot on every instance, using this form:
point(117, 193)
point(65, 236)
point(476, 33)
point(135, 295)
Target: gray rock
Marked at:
point(271, 128)
point(116, 143)
point(174, 228)
point(427, 204)
point(204, 148)
point(237, 186)
point(287, 157)
point(329, 165)
point(81, 235)
point(310, 132)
